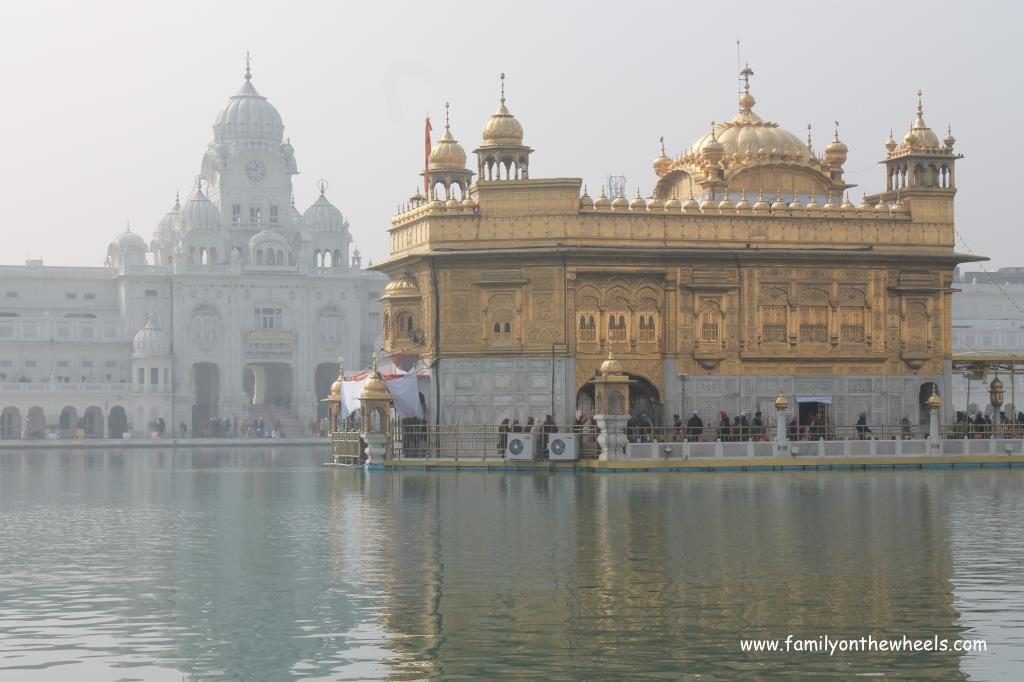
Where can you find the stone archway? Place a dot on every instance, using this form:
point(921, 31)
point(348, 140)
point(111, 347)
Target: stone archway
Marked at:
point(68, 422)
point(117, 422)
point(10, 423)
point(36, 422)
point(92, 422)
point(205, 396)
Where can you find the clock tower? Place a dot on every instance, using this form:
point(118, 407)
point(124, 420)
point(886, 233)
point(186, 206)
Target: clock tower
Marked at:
point(248, 166)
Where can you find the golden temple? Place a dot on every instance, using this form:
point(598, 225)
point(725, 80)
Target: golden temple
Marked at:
point(746, 271)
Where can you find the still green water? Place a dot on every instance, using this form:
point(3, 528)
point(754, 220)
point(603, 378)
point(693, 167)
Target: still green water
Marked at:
point(263, 565)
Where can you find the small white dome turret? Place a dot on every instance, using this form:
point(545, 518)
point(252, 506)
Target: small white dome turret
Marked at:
point(199, 212)
point(150, 340)
point(323, 215)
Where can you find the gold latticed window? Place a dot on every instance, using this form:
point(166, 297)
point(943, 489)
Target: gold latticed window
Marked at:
point(773, 323)
point(710, 326)
point(587, 332)
point(646, 331)
point(852, 324)
point(814, 324)
point(617, 328)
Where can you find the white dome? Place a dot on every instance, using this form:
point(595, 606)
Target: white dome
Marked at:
point(168, 225)
point(323, 215)
point(150, 340)
point(248, 117)
point(200, 212)
point(128, 240)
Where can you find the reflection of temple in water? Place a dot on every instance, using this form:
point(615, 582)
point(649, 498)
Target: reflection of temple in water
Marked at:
point(679, 566)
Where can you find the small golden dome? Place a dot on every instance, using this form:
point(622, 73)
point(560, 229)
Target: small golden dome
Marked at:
point(336, 387)
point(725, 204)
point(761, 204)
point(468, 203)
point(453, 204)
point(920, 136)
point(881, 206)
point(585, 201)
point(663, 162)
point(375, 388)
point(812, 205)
point(890, 144)
point(779, 204)
point(502, 129)
point(656, 205)
point(403, 287)
point(847, 205)
point(691, 205)
point(934, 402)
point(864, 205)
point(949, 140)
point(796, 204)
point(619, 203)
point(836, 152)
point(829, 205)
point(611, 365)
point(996, 385)
point(447, 154)
point(708, 204)
point(638, 203)
point(780, 402)
point(743, 204)
point(898, 208)
point(673, 205)
point(602, 203)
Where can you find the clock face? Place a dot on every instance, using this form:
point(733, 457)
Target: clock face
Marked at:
point(255, 170)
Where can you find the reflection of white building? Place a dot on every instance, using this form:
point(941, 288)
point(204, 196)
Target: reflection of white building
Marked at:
point(239, 306)
point(988, 318)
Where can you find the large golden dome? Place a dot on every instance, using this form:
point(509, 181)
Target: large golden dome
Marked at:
point(920, 137)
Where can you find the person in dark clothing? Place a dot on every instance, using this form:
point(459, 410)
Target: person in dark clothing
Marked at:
point(744, 428)
point(724, 427)
point(516, 426)
point(546, 430)
point(632, 426)
point(757, 430)
point(645, 428)
point(161, 426)
point(862, 426)
point(503, 436)
point(694, 427)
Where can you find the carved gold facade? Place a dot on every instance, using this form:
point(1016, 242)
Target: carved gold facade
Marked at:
point(760, 269)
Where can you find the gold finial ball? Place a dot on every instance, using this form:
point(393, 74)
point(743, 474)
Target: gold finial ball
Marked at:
point(780, 402)
point(934, 402)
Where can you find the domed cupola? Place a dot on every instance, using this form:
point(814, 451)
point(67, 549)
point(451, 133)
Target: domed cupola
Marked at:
point(323, 215)
point(920, 137)
point(744, 153)
point(128, 248)
point(296, 214)
point(446, 166)
point(248, 119)
point(171, 222)
point(150, 340)
point(502, 154)
point(199, 212)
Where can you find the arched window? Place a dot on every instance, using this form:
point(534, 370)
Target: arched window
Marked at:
point(327, 259)
point(404, 321)
point(318, 261)
point(590, 322)
point(337, 260)
point(280, 257)
point(259, 257)
point(204, 256)
point(508, 328)
point(583, 321)
point(710, 326)
point(611, 322)
point(643, 323)
point(497, 328)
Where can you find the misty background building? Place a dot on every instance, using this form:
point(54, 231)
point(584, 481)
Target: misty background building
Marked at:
point(238, 307)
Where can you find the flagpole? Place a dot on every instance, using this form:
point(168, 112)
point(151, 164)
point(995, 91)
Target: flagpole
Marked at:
point(426, 158)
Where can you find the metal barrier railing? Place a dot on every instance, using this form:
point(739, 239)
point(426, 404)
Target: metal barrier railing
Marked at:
point(487, 441)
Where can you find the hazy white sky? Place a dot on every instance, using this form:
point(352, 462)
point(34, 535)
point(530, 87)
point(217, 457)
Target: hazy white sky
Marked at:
point(107, 107)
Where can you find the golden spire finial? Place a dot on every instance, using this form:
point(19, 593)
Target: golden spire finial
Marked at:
point(502, 87)
point(662, 140)
point(920, 108)
point(446, 106)
point(248, 71)
point(321, 185)
point(746, 73)
point(835, 135)
point(809, 136)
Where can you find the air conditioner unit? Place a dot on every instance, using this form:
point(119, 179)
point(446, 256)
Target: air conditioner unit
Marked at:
point(520, 446)
point(562, 447)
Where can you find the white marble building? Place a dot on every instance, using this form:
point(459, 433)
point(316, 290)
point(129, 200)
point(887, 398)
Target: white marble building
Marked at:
point(988, 319)
point(239, 306)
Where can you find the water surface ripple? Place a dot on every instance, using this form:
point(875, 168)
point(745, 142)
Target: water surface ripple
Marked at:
point(263, 565)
